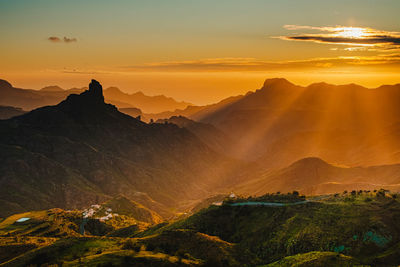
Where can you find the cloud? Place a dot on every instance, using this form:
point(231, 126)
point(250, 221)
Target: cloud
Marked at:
point(70, 40)
point(55, 39)
point(351, 36)
point(252, 64)
point(84, 71)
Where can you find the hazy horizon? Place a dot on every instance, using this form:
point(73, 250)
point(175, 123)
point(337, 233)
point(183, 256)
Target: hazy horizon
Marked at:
point(191, 52)
point(243, 91)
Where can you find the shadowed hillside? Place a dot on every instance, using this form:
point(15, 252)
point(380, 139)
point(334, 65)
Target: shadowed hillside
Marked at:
point(83, 151)
point(207, 133)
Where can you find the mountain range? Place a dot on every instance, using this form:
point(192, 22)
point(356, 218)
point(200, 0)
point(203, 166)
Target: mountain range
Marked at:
point(317, 139)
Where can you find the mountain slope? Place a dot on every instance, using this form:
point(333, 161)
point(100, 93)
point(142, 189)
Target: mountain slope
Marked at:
point(313, 176)
point(282, 122)
point(207, 133)
point(124, 206)
point(83, 151)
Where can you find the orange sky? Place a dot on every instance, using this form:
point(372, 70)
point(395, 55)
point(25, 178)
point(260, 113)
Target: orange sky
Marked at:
point(198, 51)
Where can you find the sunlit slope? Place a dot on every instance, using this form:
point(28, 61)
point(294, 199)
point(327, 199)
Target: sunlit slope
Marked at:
point(313, 176)
point(90, 221)
point(315, 259)
point(282, 122)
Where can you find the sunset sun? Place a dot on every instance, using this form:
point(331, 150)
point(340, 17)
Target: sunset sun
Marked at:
point(352, 32)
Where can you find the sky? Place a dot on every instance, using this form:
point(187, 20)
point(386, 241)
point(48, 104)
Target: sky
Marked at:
point(200, 51)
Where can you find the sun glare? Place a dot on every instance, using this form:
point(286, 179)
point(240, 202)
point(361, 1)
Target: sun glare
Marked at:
point(352, 32)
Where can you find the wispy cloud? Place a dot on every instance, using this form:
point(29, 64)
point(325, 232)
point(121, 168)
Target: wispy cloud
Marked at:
point(55, 39)
point(252, 64)
point(351, 36)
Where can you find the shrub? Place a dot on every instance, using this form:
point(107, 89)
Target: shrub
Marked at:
point(132, 245)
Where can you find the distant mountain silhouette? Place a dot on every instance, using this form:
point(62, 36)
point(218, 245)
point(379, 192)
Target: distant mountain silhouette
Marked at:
point(7, 112)
point(83, 151)
point(148, 104)
point(194, 112)
point(29, 99)
point(313, 176)
point(52, 88)
point(134, 112)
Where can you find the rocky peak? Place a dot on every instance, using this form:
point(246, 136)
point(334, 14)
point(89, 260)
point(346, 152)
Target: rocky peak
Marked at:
point(278, 82)
point(95, 90)
point(91, 100)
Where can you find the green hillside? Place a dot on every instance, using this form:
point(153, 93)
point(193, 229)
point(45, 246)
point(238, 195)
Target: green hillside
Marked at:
point(363, 225)
point(352, 228)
